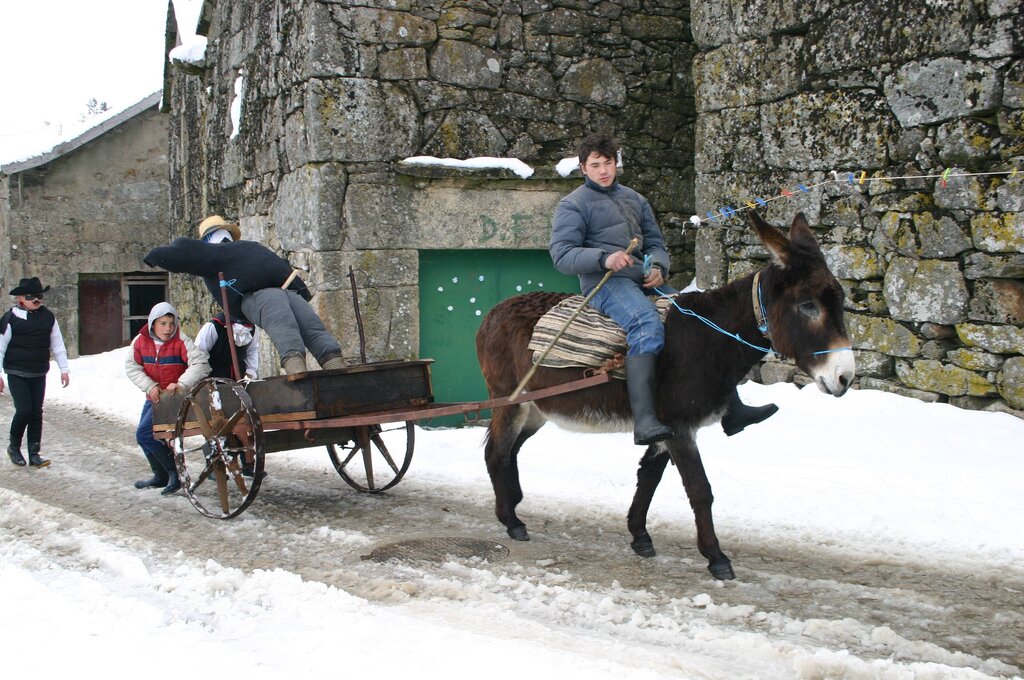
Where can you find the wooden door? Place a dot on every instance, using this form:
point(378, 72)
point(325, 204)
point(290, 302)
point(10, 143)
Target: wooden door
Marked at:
point(459, 287)
point(99, 315)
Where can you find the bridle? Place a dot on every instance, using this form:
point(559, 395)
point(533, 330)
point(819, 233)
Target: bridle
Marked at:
point(760, 316)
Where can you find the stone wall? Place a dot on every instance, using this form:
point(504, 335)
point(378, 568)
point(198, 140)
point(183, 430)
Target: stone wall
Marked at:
point(723, 104)
point(97, 209)
point(333, 95)
point(788, 92)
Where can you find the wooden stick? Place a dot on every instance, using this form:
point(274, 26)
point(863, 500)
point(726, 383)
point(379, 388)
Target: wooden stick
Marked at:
point(533, 369)
point(359, 316)
point(228, 327)
point(287, 282)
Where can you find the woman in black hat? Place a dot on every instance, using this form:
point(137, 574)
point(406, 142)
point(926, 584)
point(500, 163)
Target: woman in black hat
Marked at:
point(28, 334)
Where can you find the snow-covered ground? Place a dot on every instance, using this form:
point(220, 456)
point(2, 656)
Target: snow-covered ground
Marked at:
point(871, 475)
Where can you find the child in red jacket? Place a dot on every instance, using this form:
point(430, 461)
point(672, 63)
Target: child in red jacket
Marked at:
point(162, 359)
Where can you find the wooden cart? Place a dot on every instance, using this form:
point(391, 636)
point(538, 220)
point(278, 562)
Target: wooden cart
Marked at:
point(364, 415)
point(222, 429)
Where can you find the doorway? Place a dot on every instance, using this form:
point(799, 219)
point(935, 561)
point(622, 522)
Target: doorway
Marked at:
point(457, 289)
point(113, 307)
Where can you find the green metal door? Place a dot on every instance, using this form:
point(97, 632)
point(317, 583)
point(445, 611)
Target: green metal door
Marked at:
point(457, 289)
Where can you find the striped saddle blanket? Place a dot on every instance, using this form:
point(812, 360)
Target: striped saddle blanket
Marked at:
point(592, 340)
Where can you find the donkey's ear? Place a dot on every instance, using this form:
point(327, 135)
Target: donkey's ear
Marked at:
point(801, 237)
point(773, 239)
point(800, 229)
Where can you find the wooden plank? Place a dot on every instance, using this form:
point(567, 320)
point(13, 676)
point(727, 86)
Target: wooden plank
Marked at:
point(364, 392)
point(279, 417)
point(417, 413)
point(266, 419)
point(437, 410)
point(289, 440)
point(353, 389)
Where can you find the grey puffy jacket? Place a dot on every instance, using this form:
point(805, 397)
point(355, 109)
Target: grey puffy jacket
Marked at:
point(592, 222)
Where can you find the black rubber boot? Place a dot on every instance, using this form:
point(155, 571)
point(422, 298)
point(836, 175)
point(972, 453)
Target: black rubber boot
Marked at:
point(15, 453)
point(738, 415)
point(159, 477)
point(166, 459)
point(34, 459)
point(641, 382)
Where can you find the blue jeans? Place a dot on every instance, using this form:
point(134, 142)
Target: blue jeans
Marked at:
point(144, 432)
point(627, 304)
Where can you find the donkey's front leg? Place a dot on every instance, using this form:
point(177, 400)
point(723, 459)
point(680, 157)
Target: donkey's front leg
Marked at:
point(648, 476)
point(686, 456)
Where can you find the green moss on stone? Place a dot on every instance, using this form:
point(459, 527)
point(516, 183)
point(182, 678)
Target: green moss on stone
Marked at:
point(934, 376)
point(882, 335)
point(1011, 382)
point(1001, 339)
point(995, 233)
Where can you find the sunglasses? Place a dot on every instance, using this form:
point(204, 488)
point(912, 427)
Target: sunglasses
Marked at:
point(29, 297)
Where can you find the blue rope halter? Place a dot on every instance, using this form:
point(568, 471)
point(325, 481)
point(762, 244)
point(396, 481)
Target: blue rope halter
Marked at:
point(762, 322)
point(711, 324)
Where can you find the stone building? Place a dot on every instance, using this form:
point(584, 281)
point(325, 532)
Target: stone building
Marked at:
point(332, 96)
point(933, 268)
point(82, 216)
point(300, 119)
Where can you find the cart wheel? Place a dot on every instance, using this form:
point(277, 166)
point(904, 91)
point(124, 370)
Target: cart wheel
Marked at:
point(378, 457)
point(218, 431)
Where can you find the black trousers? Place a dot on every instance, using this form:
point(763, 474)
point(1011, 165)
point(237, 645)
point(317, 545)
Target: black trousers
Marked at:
point(28, 396)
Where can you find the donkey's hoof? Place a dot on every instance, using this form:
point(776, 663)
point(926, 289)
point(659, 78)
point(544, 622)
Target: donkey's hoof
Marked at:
point(722, 570)
point(519, 533)
point(644, 547)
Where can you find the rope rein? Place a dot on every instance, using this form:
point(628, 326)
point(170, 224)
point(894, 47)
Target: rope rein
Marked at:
point(711, 324)
point(762, 321)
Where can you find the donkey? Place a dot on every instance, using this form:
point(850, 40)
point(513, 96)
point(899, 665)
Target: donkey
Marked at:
point(802, 307)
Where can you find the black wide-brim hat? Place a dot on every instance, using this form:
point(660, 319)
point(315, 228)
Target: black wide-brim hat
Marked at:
point(31, 286)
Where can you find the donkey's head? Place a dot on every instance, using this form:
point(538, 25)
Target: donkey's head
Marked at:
point(804, 305)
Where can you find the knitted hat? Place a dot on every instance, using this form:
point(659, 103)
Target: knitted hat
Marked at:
point(215, 222)
point(31, 286)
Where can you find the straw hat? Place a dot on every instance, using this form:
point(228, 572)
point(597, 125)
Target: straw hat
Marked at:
point(215, 222)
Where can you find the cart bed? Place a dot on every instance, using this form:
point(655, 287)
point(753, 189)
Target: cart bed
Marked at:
point(366, 388)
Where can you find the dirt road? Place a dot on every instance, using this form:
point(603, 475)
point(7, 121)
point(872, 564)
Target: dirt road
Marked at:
point(307, 521)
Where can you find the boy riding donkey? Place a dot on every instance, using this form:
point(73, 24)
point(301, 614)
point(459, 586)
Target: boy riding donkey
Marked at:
point(591, 232)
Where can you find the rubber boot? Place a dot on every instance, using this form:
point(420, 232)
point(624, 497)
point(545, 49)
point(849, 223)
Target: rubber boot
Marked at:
point(331, 361)
point(15, 453)
point(738, 415)
point(294, 363)
point(34, 459)
point(159, 477)
point(641, 382)
point(166, 459)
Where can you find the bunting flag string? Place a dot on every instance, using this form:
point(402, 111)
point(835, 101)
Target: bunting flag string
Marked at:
point(851, 179)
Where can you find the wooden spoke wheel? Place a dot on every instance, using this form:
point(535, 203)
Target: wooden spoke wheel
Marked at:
point(377, 458)
point(218, 448)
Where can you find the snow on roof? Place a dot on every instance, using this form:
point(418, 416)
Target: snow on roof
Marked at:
point(65, 147)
